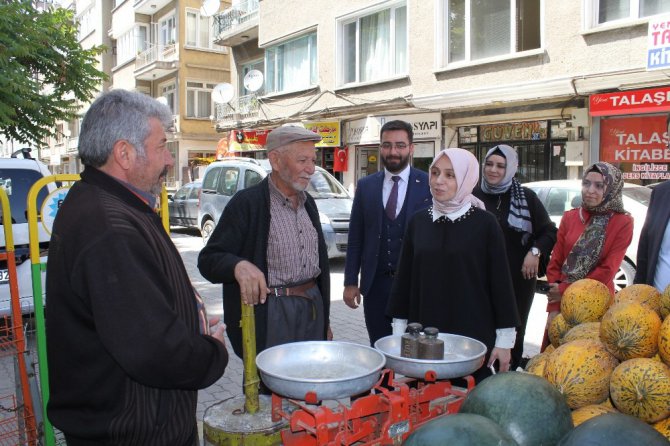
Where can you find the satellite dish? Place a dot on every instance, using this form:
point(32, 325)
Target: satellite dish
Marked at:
point(209, 7)
point(253, 80)
point(222, 93)
point(162, 99)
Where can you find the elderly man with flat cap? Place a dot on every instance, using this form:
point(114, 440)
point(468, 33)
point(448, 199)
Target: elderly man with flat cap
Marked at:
point(268, 250)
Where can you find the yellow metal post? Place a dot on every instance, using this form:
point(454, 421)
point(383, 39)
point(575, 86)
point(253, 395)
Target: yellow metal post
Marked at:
point(249, 359)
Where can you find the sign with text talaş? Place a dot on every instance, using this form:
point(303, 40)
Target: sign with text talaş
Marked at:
point(658, 43)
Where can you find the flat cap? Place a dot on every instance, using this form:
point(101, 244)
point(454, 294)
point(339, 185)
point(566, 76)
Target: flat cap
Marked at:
point(288, 134)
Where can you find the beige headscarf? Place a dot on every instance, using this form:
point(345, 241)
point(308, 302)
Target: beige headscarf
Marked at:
point(466, 170)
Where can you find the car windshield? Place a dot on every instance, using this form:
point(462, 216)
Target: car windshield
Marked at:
point(640, 194)
point(324, 186)
point(17, 183)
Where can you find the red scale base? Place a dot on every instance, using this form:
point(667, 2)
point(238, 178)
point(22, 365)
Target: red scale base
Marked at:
point(386, 416)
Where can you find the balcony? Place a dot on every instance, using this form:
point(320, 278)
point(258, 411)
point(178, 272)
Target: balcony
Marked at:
point(157, 61)
point(150, 7)
point(245, 107)
point(238, 24)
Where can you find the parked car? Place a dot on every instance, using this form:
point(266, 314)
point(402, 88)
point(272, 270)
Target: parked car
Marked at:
point(183, 205)
point(17, 176)
point(222, 179)
point(559, 196)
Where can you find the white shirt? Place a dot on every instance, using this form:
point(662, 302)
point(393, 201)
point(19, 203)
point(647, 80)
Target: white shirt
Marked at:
point(662, 273)
point(402, 188)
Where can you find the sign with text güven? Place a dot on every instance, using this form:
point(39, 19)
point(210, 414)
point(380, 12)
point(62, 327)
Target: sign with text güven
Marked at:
point(652, 100)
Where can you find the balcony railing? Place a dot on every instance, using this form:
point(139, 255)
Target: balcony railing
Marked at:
point(156, 53)
point(235, 16)
point(244, 107)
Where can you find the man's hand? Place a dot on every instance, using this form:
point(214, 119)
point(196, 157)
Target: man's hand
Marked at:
point(253, 288)
point(554, 293)
point(530, 266)
point(352, 296)
point(219, 330)
point(503, 356)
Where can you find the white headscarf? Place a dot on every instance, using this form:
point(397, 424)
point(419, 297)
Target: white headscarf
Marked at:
point(466, 170)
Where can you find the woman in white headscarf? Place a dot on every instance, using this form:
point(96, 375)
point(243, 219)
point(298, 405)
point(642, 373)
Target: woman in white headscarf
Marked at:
point(529, 232)
point(453, 273)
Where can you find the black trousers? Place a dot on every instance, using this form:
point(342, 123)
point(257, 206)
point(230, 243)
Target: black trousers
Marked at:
point(374, 308)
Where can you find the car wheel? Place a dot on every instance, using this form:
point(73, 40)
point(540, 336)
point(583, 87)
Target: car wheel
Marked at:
point(207, 230)
point(624, 276)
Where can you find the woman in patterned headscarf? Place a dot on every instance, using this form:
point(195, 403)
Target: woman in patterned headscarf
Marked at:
point(529, 233)
point(592, 239)
point(452, 273)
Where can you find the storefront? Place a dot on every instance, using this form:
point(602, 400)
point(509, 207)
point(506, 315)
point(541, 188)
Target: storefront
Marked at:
point(631, 132)
point(362, 138)
point(542, 146)
point(330, 143)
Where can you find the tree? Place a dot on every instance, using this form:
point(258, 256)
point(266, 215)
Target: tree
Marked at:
point(44, 71)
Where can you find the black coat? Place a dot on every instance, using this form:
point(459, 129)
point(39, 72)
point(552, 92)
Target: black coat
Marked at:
point(242, 234)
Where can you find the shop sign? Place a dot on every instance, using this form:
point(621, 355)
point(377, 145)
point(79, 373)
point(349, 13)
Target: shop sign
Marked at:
point(519, 131)
point(329, 132)
point(638, 144)
point(366, 130)
point(658, 43)
point(652, 100)
point(247, 140)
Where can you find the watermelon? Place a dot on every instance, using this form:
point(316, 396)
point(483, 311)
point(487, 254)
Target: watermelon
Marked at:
point(614, 429)
point(526, 406)
point(461, 429)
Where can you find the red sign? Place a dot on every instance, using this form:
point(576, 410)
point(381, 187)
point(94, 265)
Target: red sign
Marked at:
point(634, 140)
point(653, 100)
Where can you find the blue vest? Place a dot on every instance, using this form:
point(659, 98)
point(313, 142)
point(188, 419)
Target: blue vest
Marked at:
point(391, 240)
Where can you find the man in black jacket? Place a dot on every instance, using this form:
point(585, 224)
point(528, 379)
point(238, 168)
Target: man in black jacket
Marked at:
point(268, 250)
point(127, 346)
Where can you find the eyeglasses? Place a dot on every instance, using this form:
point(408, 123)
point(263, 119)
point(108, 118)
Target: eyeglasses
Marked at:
point(389, 145)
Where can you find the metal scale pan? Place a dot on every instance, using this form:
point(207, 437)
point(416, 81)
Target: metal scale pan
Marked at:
point(330, 369)
point(462, 356)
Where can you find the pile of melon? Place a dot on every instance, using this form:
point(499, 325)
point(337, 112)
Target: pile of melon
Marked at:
point(611, 354)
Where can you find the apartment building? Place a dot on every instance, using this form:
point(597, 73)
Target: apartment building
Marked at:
point(165, 49)
point(465, 73)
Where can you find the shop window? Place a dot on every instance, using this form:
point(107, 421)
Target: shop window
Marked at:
point(291, 66)
point(374, 45)
point(476, 30)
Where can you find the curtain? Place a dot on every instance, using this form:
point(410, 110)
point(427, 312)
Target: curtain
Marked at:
point(375, 32)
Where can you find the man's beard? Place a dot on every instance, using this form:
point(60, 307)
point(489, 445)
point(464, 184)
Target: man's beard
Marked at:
point(395, 165)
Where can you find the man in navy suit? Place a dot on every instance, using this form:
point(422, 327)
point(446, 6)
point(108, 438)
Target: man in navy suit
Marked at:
point(653, 250)
point(383, 204)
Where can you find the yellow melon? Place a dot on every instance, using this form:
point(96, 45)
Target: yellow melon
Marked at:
point(537, 363)
point(549, 348)
point(644, 294)
point(557, 328)
point(665, 302)
point(663, 427)
point(585, 300)
point(581, 370)
point(587, 330)
point(630, 330)
point(664, 341)
point(641, 387)
point(587, 412)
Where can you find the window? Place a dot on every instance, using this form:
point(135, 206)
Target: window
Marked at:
point(481, 29)
point(85, 22)
point(291, 66)
point(131, 43)
point(251, 177)
point(605, 11)
point(198, 99)
point(374, 46)
point(169, 92)
point(199, 32)
point(168, 31)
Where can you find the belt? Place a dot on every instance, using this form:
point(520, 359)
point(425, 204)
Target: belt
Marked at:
point(296, 290)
